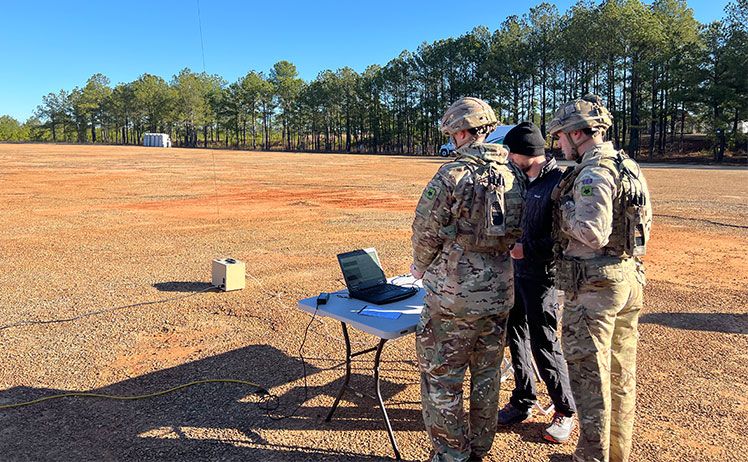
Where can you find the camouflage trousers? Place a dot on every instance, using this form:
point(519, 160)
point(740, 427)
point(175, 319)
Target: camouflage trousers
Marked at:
point(447, 346)
point(599, 337)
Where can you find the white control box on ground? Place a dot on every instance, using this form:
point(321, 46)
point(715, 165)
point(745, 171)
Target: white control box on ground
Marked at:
point(229, 274)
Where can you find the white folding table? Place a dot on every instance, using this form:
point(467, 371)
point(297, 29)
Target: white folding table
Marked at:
point(347, 311)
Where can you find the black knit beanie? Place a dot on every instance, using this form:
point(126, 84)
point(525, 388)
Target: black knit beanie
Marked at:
point(525, 139)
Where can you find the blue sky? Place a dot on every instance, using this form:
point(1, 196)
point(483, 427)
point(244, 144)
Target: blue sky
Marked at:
point(51, 45)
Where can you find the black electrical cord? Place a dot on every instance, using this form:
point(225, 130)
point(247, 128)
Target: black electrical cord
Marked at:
point(105, 310)
point(265, 403)
point(259, 390)
point(410, 284)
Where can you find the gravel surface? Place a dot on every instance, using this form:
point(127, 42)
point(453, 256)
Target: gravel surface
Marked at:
point(95, 233)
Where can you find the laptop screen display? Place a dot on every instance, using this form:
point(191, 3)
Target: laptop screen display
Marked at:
point(361, 269)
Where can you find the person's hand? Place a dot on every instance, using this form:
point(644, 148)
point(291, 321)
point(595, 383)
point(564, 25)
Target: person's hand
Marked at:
point(414, 271)
point(517, 252)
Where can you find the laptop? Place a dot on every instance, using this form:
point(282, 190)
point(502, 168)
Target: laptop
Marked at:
point(365, 279)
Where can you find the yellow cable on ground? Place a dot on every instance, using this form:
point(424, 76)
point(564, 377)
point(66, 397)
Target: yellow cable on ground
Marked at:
point(260, 391)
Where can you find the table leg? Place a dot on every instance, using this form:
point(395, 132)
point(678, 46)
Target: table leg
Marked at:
point(347, 372)
point(377, 356)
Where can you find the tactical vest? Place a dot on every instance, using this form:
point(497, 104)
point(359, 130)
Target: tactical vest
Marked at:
point(631, 221)
point(489, 218)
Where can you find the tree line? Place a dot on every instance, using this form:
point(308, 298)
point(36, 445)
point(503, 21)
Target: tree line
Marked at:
point(661, 72)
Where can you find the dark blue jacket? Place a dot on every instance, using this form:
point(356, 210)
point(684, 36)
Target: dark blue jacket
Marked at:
point(537, 224)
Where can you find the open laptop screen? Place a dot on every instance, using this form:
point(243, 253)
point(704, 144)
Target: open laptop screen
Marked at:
point(361, 269)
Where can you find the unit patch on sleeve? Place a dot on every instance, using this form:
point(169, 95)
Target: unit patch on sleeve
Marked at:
point(427, 201)
point(586, 190)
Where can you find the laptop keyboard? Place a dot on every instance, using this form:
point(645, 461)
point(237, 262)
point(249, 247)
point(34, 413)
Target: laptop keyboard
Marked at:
point(378, 289)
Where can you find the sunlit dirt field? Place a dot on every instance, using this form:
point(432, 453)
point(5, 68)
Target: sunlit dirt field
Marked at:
point(87, 229)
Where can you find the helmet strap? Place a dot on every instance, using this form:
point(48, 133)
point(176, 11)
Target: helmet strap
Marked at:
point(468, 141)
point(574, 147)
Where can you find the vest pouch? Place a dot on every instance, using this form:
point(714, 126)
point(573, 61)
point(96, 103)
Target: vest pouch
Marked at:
point(640, 241)
point(602, 273)
point(495, 205)
point(636, 235)
point(495, 212)
point(567, 275)
point(634, 203)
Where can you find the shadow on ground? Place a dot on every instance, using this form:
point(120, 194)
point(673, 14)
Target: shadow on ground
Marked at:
point(183, 286)
point(205, 422)
point(728, 323)
point(528, 431)
point(558, 457)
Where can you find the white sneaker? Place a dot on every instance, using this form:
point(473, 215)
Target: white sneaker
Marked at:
point(560, 428)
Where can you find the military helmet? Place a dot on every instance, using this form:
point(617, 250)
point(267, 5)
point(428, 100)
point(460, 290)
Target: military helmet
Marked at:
point(467, 113)
point(586, 112)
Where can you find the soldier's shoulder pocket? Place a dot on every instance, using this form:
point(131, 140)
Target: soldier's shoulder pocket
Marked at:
point(429, 198)
point(589, 183)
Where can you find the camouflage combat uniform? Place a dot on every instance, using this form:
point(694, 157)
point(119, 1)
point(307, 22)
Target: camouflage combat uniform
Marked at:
point(469, 293)
point(603, 279)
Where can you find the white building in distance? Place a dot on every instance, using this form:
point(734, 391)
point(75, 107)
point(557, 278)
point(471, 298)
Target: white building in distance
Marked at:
point(159, 140)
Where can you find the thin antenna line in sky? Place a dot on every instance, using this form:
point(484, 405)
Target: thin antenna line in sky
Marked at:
point(200, 25)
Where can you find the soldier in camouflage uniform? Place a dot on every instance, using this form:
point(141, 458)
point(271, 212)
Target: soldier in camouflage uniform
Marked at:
point(467, 217)
point(603, 217)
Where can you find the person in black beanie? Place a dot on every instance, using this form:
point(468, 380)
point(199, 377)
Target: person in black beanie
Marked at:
point(533, 320)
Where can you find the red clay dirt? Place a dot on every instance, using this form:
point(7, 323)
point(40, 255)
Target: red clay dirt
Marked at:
point(89, 228)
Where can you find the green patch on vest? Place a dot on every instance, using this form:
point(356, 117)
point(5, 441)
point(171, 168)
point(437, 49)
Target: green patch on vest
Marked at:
point(586, 190)
point(430, 193)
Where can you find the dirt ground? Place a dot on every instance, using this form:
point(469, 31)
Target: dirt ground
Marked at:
point(86, 229)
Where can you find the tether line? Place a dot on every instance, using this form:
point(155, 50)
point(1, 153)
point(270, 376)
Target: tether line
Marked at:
point(200, 25)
